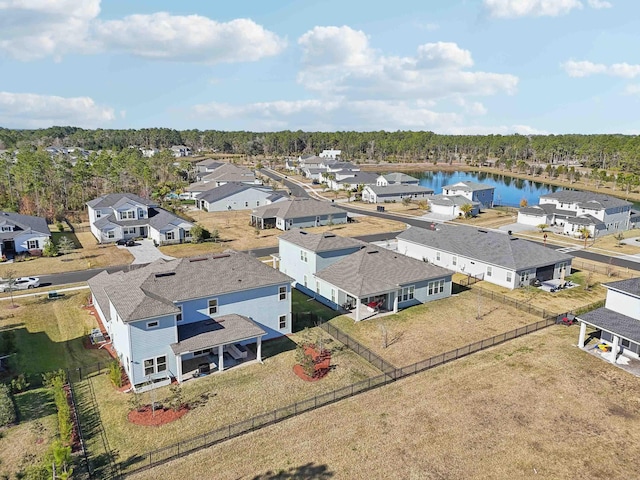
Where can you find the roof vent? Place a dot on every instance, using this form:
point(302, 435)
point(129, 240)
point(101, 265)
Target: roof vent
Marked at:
point(302, 232)
point(372, 251)
point(165, 274)
point(201, 259)
point(329, 235)
point(222, 255)
point(482, 231)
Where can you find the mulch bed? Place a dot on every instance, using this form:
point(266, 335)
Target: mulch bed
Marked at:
point(147, 417)
point(322, 364)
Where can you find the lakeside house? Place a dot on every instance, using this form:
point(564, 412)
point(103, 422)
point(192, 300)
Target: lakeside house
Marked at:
point(395, 193)
point(297, 213)
point(474, 191)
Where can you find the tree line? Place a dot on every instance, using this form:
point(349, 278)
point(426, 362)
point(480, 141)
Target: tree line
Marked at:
point(606, 151)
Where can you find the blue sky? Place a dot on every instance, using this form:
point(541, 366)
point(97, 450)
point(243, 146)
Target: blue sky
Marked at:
point(461, 67)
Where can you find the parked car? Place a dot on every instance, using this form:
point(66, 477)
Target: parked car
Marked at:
point(125, 242)
point(20, 283)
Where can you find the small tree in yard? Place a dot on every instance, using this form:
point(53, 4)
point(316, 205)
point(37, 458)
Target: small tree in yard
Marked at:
point(50, 249)
point(542, 227)
point(406, 201)
point(466, 209)
point(7, 409)
point(619, 238)
point(585, 233)
point(175, 399)
point(524, 203)
point(199, 234)
point(65, 245)
point(115, 373)
point(10, 281)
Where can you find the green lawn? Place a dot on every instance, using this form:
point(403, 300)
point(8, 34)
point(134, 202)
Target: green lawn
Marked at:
point(302, 305)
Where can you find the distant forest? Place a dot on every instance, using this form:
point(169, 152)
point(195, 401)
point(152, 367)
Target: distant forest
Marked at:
point(617, 152)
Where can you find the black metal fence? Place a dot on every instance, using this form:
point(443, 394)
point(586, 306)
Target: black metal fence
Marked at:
point(157, 457)
point(609, 270)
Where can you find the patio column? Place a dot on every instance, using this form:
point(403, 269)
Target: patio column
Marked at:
point(583, 333)
point(395, 302)
point(614, 349)
point(259, 349)
point(179, 367)
point(358, 309)
point(220, 358)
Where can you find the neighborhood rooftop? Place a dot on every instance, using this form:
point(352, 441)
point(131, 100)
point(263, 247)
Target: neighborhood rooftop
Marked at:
point(590, 200)
point(613, 321)
point(399, 177)
point(489, 246)
point(296, 208)
point(468, 186)
point(25, 222)
point(630, 286)
point(114, 200)
point(375, 270)
point(224, 191)
point(320, 242)
point(399, 189)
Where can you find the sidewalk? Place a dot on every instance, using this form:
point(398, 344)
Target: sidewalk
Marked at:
point(46, 292)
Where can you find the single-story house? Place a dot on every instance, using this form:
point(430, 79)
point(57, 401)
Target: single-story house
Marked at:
point(474, 191)
point(169, 317)
point(348, 180)
point(346, 273)
point(228, 172)
point(396, 178)
point(450, 205)
point(618, 322)
point(21, 233)
point(394, 193)
point(494, 256)
point(236, 196)
point(297, 213)
point(118, 216)
point(330, 154)
point(207, 165)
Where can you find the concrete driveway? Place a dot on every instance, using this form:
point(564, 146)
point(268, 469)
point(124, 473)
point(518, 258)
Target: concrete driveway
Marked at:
point(145, 251)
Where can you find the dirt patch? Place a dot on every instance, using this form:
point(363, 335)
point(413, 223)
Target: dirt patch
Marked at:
point(146, 416)
point(321, 365)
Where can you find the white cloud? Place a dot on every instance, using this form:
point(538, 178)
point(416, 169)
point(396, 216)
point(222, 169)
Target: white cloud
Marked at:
point(495, 130)
point(29, 110)
point(443, 55)
point(191, 38)
point(32, 29)
point(632, 89)
point(598, 4)
point(530, 8)
point(586, 68)
point(336, 46)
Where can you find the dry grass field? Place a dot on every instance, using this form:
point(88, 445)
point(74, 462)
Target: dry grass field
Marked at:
point(236, 233)
point(491, 218)
point(392, 207)
point(535, 407)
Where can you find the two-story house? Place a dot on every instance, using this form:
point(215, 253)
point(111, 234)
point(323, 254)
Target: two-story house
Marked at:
point(21, 233)
point(476, 192)
point(575, 210)
point(169, 317)
point(347, 274)
point(395, 178)
point(119, 216)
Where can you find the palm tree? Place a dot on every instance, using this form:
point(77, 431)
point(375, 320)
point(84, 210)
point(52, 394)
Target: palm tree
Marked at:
point(466, 209)
point(585, 233)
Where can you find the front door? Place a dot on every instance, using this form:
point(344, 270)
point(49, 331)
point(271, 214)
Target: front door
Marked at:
point(143, 232)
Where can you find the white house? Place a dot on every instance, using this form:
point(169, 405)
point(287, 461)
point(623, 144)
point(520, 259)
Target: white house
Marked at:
point(166, 319)
point(618, 322)
point(180, 151)
point(347, 274)
point(451, 205)
point(225, 173)
point(21, 233)
point(348, 180)
point(394, 178)
point(476, 192)
point(237, 196)
point(120, 216)
point(297, 213)
point(575, 210)
point(335, 154)
point(395, 193)
point(491, 255)
point(208, 165)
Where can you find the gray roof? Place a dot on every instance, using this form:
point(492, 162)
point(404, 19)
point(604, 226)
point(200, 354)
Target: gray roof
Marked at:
point(597, 201)
point(209, 163)
point(218, 331)
point(492, 247)
point(468, 186)
point(375, 270)
point(159, 218)
point(399, 189)
point(630, 286)
point(343, 165)
point(25, 223)
point(320, 242)
point(313, 170)
point(360, 178)
point(226, 190)
point(297, 208)
point(229, 172)
point(399, 177)
point(586, 220)
point(151, 291)
point(450, 200)
point(114, 200)
point(313, 159)
point(275, 197)
point(614, 322)
point(547, 209)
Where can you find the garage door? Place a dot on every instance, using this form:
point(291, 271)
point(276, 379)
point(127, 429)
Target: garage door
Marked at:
point(545, 273)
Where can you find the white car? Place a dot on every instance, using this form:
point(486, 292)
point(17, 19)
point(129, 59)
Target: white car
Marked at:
point(20, 283)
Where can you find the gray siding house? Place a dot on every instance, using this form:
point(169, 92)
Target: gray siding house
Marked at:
point(21, 233)
point(474, 191)
point(298, 213)
point(394, 193)
point(237, 196)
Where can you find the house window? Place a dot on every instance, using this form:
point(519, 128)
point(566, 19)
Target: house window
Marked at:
point(153, 324)
point(246, 204)
point(282, 293)
point(179, 315)
point(433, 288)
point(333, 295)
point(155, 365)
point(161, 363)
point(454, 260)
point(111, 234)
point(257, 203)
point(438, 256)
point(406, 293)
point(149, 367)
point(282, 322)
point(33, 244)
point(508, 277)
point(213, 306)
point(98, 213)
point(170, 235)
point(129, 230)
point(489, 271)
point(303, 256)
point(305, 280)
point(129, 214)
point(187, 234)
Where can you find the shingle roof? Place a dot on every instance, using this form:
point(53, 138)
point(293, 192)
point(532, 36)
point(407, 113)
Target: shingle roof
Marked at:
point(360, 178)
point(297, 208)
point(630, 286)
point(209, 163)
point(151, 290)
point(399, 189)
point(374, 270)
point(229, 172)
point(492, 247)
point(399, 177)
point(468, 186)
point(613, 322)
point(320, 242)
point(218, 331)
point(450, 200)
point(159, 218)
point(223, 191)
point(585, 220)
point(113, 199)
point(26, 222)
point(591, 200)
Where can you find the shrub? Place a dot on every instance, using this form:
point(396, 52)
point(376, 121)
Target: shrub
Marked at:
point(199, 234)
point(175, 399)
point(65, 245)
point(7, 407)
point(115, 373)
point(50, 249)
point(56, 381)
point(60, 226)
point(19, 384)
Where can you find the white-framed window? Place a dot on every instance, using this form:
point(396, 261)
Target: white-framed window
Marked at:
point(333, 295)
point(454, 260)
point(161, 363)
point(154, 365)
point(152, 324)
point(305, 280)
point(524, 276)
point(111, 234)
point(438, 256)
point(303, 256)
point(282, 293)
point(170, 235)
point(187, 234)
point(489, 271)
point(509, 277)
point(129, 214)
point(406, 293)
point(282, 322)
point(33, 244)
point(129, 230)
point(179, 315)
point(433, 288)
point(98, 213)
point(213, 306)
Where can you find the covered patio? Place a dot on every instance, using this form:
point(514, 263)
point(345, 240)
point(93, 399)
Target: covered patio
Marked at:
point(210, 341)
point(373, 305)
